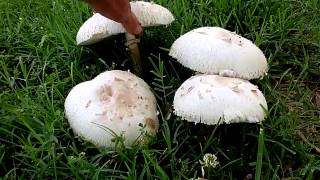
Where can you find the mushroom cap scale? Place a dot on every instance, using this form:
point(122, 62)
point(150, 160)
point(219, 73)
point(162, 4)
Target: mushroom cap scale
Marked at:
point(113, 102)
point(99, 27)
point(214, 50)
point(209, 98)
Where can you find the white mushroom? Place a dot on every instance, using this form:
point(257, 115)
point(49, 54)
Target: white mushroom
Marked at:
point(212, 99)
point(99, 27)
point(151, 14)
point(214, 50)
point(96, 29)
point(115, 103)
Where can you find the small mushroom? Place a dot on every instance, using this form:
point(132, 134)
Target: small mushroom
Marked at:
point(99, 27)
point(214, 50)
point(215, 99)
point(106, 107)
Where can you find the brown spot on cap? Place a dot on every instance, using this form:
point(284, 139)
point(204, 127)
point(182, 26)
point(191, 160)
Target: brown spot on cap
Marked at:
point(199, 95)
point(230, 37)
point(103, 116)
point(203, 33)
point(105, 93)
point(118, 79)
point(104, 113)
point(88, 103)
point(227, 40)
point(189, 90)
point(236, 89)
point(255, 92)
point(152, 124)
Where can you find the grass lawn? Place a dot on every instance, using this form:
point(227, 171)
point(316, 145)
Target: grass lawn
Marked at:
point(40, 63)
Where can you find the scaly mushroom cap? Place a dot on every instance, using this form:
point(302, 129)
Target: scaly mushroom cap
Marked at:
point(214, 50)
point(209, 98)
point(151, 14)
point(114, 103)
point(99, 27)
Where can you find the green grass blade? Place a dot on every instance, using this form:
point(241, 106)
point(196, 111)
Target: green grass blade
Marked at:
point(259, 154)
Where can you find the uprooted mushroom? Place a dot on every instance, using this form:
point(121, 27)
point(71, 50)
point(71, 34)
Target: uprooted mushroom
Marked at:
point(99, 27)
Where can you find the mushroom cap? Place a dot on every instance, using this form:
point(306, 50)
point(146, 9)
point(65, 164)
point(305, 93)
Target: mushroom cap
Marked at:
point(214, 50)
point(209, 98)
point(113, 103)
point(99, 27)
point(151, 14)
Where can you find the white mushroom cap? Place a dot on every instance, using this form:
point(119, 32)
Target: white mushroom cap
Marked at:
point(151, 14)
point(214, 50)
point(209, 98)
point(114, 102)
point(99, 27)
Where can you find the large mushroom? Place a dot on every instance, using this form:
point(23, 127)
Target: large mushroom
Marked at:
point(214, 50)
point(212, 99)
point(99, 27)
point(113, 104)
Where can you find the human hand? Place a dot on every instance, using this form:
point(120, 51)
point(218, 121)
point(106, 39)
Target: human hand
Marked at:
point(119, 11)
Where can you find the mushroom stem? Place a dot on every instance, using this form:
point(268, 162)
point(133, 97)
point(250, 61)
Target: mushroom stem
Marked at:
point(132, 44)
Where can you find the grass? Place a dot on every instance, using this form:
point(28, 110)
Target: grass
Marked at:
point(40, 63)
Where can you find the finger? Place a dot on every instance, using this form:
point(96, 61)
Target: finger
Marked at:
point(120, 11)
point(132, 25)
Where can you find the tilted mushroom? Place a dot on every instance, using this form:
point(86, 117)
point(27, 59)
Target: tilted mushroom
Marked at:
point(214, 50)
point(115, 103)
point(212, 99)
point(99, 27)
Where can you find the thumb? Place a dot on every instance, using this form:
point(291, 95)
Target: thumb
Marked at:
point(132, 25)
